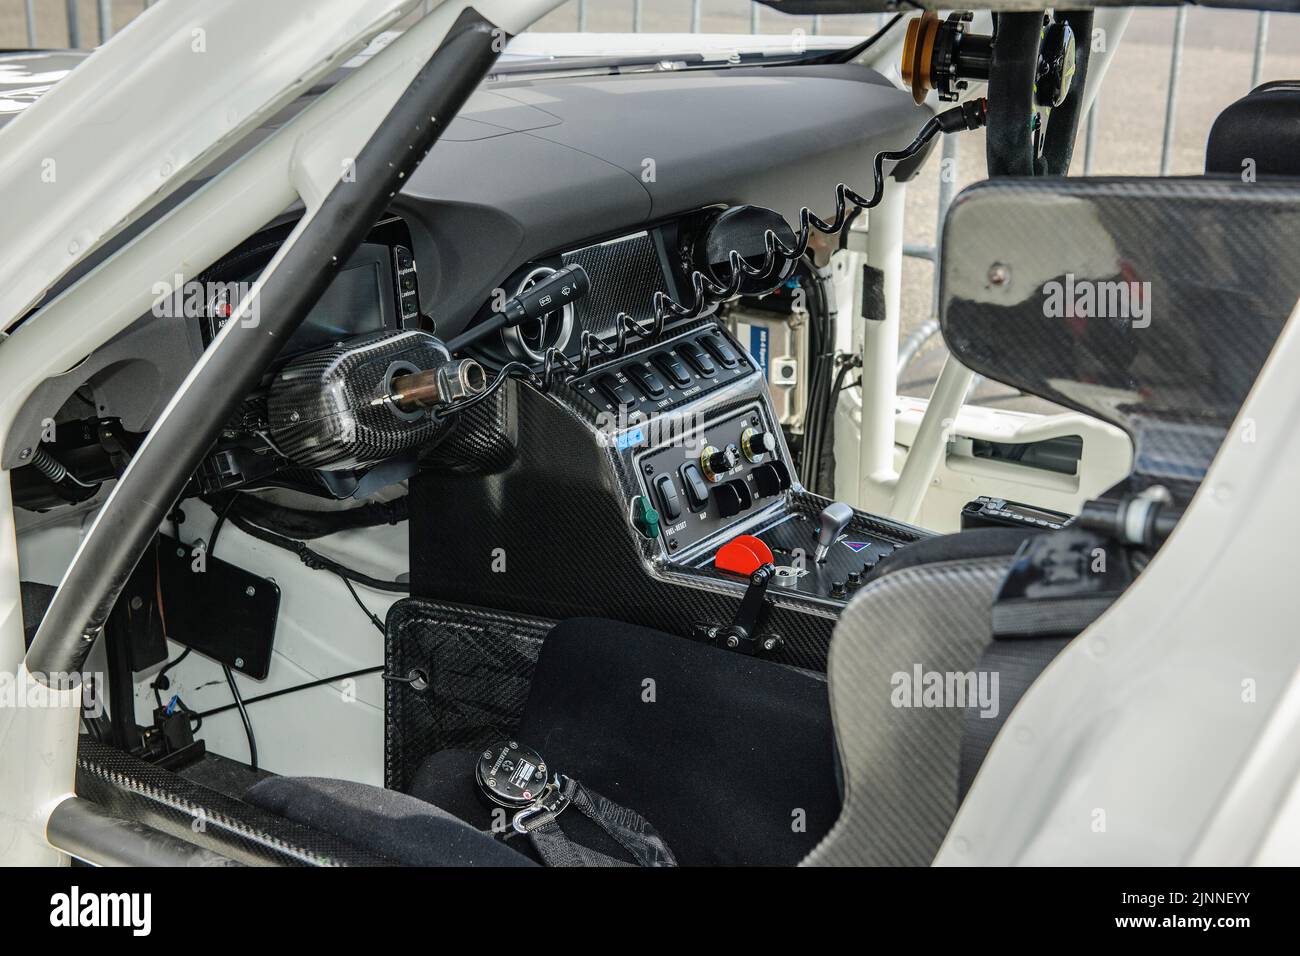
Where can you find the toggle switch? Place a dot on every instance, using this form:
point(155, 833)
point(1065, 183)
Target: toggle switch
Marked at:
point(616, 390)
point(672, 366)
point(697, 490)
point(732, 498)
point(721, 349)
point(650, 384)
point(669, 501)
point(716, 463)
point(697, 358)
point(770, 478)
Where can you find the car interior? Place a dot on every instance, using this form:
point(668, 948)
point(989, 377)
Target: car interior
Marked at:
point(535, 507)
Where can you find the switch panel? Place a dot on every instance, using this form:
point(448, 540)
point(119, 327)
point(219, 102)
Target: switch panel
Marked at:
point(673, 374)
point(705, 483)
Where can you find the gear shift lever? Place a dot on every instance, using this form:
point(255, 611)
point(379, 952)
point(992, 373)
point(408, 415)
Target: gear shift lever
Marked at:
point(835, 517)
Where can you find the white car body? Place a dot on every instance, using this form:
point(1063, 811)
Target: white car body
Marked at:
point(1137, 718)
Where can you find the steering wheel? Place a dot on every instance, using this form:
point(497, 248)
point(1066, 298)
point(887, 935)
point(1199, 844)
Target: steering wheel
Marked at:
point(1035, 91)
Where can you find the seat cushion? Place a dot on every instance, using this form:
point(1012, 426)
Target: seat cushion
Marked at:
point(731, 758)
point(396, 825)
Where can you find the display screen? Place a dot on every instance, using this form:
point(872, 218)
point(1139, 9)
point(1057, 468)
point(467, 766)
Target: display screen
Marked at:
point(356, 302)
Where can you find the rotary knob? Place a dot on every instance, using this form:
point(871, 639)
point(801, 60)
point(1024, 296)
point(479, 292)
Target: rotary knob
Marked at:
point(755, 444)
point(717, 463)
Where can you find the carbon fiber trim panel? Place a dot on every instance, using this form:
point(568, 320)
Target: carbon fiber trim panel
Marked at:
point(477, 666)
point(480, 440)
point(625, 274)
point(1149, 303)
point(551, 535)
point(134, 790)
point(328, 408)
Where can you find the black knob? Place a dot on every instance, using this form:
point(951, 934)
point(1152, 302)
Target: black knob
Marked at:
point(837, 589)
point(755, 443)
point(717, 463)
point(855, 579)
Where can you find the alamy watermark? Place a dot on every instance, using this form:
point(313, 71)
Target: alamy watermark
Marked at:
point(46, 690)
point(936, 689)
point(684, 429)
point(182, 299)
point(1128, 299)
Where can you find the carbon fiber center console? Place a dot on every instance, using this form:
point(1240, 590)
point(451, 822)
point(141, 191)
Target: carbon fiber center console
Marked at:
point(617, 490)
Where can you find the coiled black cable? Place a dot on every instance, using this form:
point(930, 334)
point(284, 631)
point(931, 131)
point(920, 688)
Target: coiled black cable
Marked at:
point(706, 292)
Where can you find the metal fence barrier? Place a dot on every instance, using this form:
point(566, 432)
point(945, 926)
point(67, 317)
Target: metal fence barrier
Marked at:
point(104, 12)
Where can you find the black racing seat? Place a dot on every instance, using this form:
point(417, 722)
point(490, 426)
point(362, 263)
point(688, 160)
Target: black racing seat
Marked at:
point(393, 825)
point(729, 757)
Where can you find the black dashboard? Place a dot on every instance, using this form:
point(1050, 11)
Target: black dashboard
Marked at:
point(616, 173)
point(532, 168)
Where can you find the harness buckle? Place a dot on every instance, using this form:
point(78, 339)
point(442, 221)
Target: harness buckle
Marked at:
point(552, 800)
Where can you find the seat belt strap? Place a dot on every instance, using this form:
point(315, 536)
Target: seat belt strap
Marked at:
point(632, 831)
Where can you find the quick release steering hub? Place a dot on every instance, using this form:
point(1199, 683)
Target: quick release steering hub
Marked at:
point(1031, 64)
point(942, 55)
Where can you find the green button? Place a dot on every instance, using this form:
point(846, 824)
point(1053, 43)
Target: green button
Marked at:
point(645, 517)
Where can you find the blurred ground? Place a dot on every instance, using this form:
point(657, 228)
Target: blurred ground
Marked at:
point(1216, 69)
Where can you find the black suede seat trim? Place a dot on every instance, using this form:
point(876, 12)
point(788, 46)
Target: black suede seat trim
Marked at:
point(731, 761)
point(396, 825)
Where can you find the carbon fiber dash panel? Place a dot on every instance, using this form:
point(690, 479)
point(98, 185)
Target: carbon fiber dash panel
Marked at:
point(625, 273)
point(551, 534)
point(475, 668)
